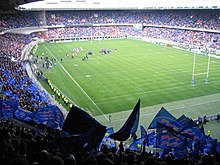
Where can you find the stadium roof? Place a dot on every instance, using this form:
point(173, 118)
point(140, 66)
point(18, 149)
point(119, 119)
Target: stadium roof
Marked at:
point(120, 4)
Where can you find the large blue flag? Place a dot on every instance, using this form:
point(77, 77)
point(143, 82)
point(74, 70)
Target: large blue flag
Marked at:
point(193, 131)
point(136, 145)
point(168, 138)
point(8, 107)
point(22, 115)
point(183, 120)
point(143, 132)
point(164, 117)
point(80, 122)
point(149, 137)
point(130, 126)
point(210, 147)
point(50, 114)
point(73, 143)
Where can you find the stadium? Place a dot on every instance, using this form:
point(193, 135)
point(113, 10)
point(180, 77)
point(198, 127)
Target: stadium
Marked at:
point(109, 82)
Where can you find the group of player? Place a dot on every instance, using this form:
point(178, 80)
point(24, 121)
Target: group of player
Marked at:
point(76, 51)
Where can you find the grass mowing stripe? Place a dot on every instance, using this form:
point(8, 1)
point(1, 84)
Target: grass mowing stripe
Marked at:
point(172, 109)
point(77, 83)
point(164, 74)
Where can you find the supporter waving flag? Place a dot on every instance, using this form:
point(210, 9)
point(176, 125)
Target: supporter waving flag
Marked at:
point(164, 117)
point(149, 137)
point(169, 139)
point(79, 122)
point(130, 126)
point(191, 129)
point(50, 114)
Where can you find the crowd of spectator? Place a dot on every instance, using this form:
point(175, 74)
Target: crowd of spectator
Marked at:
point(13, 44)
point(82, 32)
point(15, 82)
point(196, 39)
point(192, 39)
point(25, 145)
point(17, 20)
point(205, 19)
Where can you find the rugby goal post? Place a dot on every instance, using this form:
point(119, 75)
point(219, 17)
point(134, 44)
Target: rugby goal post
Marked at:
point(203, 73)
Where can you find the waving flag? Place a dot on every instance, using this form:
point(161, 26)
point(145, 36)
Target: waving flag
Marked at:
point(73, 143)
point(211, 146)
point(143, 132)
point(183, 120)
point(8, 107)
point(106, 140)
point(168, 138)
point(130, 126)
point(195, 132)
point(80, 122)
point(21, 114)
point(149, 137)
point(164, 117)
point(137, 144)
point(50, 114)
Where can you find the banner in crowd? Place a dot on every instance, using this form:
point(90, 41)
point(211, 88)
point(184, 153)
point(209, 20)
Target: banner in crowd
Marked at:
point(50, 116)
point(8, 107)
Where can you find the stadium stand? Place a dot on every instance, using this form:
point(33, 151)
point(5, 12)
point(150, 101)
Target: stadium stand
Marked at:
point(24, 144)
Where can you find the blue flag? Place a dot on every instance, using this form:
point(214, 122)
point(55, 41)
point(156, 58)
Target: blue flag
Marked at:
point(50, 114)
point(183, 120)
point(143, 132)
point(168, 138)
point(210, 147)
point(164, 117)
point(73, 143)
point(137, 144)
point(80, 122)
point(22, 115)
point(150, 138)
point(106, 140)
point(130, 126)
point(194, 132)
point(8, 107)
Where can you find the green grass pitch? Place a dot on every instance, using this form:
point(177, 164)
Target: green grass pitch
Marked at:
point(112, 83)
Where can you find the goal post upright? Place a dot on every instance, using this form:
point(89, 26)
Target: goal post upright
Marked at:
point(208, 68)
point(206, 73)
point(193, 73)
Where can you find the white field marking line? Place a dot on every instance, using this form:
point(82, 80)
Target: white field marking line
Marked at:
point(138, 89)
point(77, 84)
point(200, 74)
point(173, 109)
point(115, 97)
